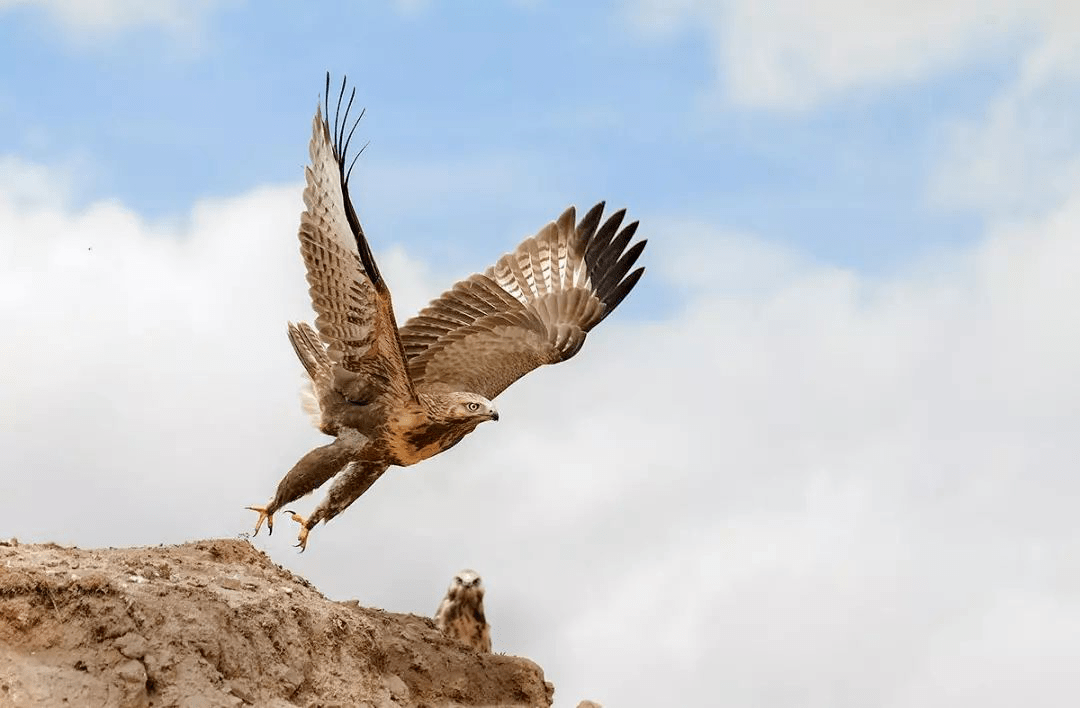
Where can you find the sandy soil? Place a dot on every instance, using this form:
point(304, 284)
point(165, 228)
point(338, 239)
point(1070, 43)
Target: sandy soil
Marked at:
point(217, 623)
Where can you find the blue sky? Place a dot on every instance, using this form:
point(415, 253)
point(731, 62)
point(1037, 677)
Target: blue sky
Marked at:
point(829, 441)
point(569, 103)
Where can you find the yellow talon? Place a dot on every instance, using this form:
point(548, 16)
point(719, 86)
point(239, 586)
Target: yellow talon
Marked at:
point(302, 545)
point(263, 516)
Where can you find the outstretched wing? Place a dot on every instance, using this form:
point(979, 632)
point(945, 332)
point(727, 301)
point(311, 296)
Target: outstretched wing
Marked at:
point(355, 317)
point(533, 307)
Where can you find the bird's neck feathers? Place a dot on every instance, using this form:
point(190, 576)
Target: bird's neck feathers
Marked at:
point(440, 409)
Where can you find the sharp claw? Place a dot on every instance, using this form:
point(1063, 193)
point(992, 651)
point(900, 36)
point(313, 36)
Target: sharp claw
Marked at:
point(263, 516)
point(302, 545)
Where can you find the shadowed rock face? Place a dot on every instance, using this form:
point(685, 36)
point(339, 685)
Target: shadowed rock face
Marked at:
point(216, 623)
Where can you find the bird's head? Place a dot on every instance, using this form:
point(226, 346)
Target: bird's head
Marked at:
point(460, 410)
point(471, 407)
point(466, 583)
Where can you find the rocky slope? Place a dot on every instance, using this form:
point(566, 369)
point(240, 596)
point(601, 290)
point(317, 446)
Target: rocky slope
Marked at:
point(216, 623)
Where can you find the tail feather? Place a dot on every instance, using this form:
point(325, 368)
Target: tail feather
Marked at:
point(310, 403)
point(310, 350)
point(320, 369)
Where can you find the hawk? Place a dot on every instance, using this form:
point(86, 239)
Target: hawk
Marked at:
point(461, 613)
point(397, 395)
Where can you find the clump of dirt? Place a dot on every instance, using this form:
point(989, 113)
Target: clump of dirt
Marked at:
point(217, 624)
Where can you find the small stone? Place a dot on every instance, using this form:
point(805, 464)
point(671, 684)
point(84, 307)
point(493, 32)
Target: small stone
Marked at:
point(132, 672)
point(293, 678)
point(132, 645)
point(117, 628)
point(397, 687)
point(154, 665)
point(242, 690)
point(196, 702)
point(229, 583)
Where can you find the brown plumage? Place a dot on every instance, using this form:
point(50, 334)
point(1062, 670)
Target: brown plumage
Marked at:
point(395, 396)
point(461, 613)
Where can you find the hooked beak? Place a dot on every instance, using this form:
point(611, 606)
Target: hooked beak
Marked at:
point(494, 415)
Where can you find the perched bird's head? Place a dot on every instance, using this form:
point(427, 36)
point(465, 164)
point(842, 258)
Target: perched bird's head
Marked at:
point(470, 407)
point(465, 584)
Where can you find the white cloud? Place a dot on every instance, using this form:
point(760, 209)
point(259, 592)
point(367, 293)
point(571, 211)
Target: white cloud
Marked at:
point(28, 184)
point(1023, 154)
point(1015, 157)
point(792, 54)
point(807, 487)
point(94, 19)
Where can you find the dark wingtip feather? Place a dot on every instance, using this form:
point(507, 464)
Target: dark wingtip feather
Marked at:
point(341, 142)
point(337, 118)
point(606, 258)
point(587, 226)
point(614, 274)
point(604, 235)
point(623, 289)
point(345, 147)
point(631, 228)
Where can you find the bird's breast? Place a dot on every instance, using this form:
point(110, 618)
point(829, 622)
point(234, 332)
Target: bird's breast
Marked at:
point(409, 442)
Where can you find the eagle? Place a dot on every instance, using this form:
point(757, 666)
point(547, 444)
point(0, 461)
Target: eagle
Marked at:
point(393, 395)
point(461, 613)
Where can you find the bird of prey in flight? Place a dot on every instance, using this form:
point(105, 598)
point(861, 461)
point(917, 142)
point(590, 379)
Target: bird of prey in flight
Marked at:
point(395, 395)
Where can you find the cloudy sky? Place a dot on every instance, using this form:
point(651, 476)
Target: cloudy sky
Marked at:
point(825, 455)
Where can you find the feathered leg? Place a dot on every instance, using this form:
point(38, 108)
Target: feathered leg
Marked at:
point(353, 481)
point(312, 470)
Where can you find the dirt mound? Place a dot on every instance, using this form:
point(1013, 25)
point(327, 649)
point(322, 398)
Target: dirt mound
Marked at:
point(216, 623)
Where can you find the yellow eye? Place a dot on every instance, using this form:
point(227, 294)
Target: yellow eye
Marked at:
point(473, 406)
